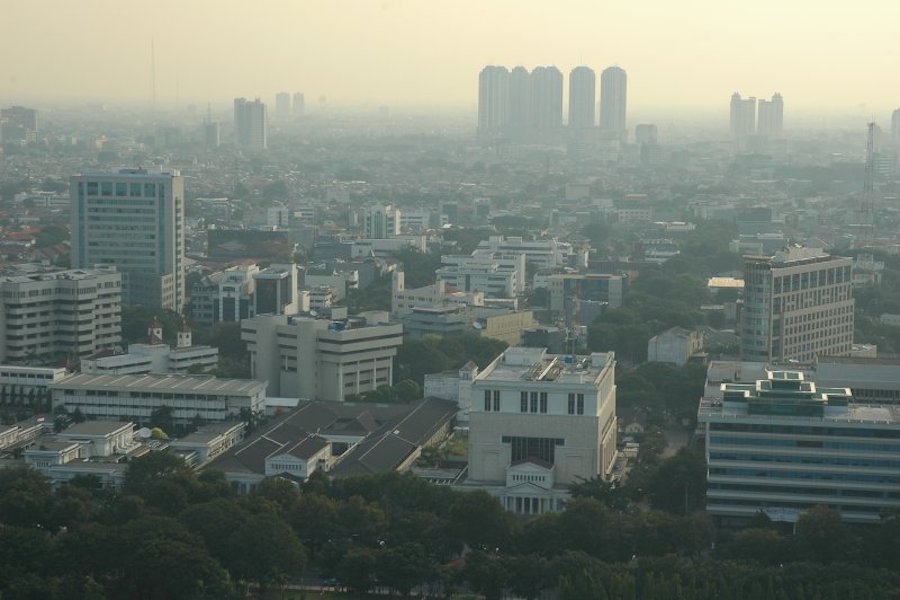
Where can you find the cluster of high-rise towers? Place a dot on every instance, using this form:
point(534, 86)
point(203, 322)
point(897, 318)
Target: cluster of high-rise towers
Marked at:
point(519, 104)
point(763, 117)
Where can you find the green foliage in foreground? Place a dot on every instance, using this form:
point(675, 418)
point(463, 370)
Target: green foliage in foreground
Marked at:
point(172, 534)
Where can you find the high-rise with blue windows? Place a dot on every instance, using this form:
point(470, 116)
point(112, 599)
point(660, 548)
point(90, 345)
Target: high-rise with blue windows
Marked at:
point(133, 220)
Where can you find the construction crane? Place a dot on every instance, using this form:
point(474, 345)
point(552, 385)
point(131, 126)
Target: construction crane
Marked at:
point(866, 210)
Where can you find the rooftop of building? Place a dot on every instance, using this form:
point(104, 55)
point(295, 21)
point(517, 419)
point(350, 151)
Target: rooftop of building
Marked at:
point(521, 363)
point(209, 432)
point(96, 428)
point(797, 255)
point(789, 395)
point(162, 382)
point(31, 272)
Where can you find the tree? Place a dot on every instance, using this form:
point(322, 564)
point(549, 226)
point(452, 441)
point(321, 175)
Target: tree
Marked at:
point(146, 471)
point(407, 391)
point(479, 521)
point(823, 536)
point(357, 569)
point(678, 485)
point(264, 550)
point(402, 568)
point(25, 497)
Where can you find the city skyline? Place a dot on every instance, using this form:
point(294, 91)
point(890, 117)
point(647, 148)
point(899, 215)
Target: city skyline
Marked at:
point(200, 67)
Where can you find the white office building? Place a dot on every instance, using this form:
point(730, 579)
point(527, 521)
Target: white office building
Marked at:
point(322, 359)
point(135, 397)
point(243, 291)
point(538, 423)
point(495, 275)
point(543, 254)
point(48, 313)
point(382, 221)
point(784, 444)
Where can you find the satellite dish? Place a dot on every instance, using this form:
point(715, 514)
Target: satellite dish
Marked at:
point(143, 433)
point(313, 313)
point(477, 325)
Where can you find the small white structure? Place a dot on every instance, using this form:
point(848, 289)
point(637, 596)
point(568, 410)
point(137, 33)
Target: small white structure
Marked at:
point(675, 346)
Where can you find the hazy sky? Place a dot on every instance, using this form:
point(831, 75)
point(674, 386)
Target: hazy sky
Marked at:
point(820, 54)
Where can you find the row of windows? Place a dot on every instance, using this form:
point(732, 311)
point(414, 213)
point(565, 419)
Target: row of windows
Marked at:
point(808, 475)
point(806, 460)
point(788, 443)
point(535, 404)
point(491, 400)
point(775, 489)
point(799, 430)
point(133, 190)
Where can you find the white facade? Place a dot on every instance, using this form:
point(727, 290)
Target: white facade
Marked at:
point(137, 396)
point(497, 276)
point(45, 313)
point(133, 220)
point(550, 419)
point(675, 346)
point(544, 254)
point(243, 291)
point(435, 295)
point(322, 359)
point(153, 358)
point(784, 444)
point(382, 248)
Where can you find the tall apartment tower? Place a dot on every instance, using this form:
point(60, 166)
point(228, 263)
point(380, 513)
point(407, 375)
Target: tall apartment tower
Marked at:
point(770, 122)
point(132, 219)
point(519, 101)
point(797, 306)
point(282, 104)
point(582, 98)
point(382, 222)
point(546, 98)
point(895, 126)
point(250, 124)
point(299, 105)
point(613, 101)
point(493, 101)
point(743, 116)
point(18, 124)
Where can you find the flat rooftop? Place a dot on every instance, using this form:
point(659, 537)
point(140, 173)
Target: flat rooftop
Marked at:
point(95, 428)
point(537, 365)
point(716, 409)
point(161, 382)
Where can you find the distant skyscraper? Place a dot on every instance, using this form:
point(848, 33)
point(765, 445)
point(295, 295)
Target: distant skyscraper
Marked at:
point(519, 101)
point(18, 124)
point(546, 98)
point(770, 122)
point(299, 103)
point(743, 116)
point(282, 104)
point(133, 220)
point(211, 134)
point(895, 126)
point(582, 98)
point(250, 124)
point(493, 100)
point(613, 101)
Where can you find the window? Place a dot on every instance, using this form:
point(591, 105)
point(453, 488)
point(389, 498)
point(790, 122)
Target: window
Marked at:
point(534, 402)
point(121, 189)
point(134, 190)
point(524, 397)
point(106, 188)
point(580, 404)
point(487, 400)
point(544, 402)
point(496, 400)
point(150, 190)
point(571, 404)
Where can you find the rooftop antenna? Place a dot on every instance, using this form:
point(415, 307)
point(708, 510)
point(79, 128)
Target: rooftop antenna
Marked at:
point(153, 72)
point(865, 209)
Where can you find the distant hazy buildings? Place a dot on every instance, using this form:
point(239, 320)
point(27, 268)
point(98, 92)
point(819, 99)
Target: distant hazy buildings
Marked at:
point(299, 105)
point(519, 121)
point(582, 98)
point(18, 124)
point(282, 104)
point(212, 136)
point(133, 220)
point(493, 101)
point(613, 100)
point(797, 306)
point(250, 124)
point(743, 116)
point(382, 222)
point(546, 99)
point(646, 134)
point(895, 126)
point(770, 121)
